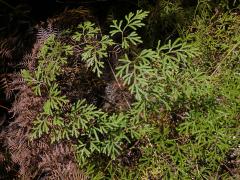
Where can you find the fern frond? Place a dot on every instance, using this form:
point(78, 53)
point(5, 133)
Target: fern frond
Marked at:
point(133, 21)
point(44, 33)
point(95, 48)
point(136, 73)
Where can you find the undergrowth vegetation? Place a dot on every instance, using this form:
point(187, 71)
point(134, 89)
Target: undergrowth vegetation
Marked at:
point(180, 111)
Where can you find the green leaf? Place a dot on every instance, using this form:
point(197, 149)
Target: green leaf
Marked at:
point(133, 21)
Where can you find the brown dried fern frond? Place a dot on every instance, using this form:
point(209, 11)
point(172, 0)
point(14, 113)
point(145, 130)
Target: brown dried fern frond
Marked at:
point(5, 85)
point(16, 142)
point(5, 51)
point(29, 62)
point(12, 82)
point(26, 106)
point(44, 33)
point(59, 162)
point(16, 134)
point(3, 81)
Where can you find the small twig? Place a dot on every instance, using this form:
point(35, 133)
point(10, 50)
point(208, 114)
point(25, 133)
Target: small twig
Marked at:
point(225, 57)
point(230, 171)
point(5, 108)
point(118, 83)
point(8, 5)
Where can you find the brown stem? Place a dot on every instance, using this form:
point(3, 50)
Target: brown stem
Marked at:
point(4, 108)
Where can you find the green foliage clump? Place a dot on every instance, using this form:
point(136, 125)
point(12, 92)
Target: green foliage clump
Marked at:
point(94, 47)
point(95, 131)
point(51, 58)
point(185, 115)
